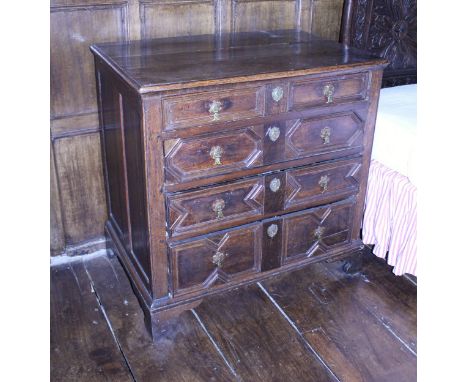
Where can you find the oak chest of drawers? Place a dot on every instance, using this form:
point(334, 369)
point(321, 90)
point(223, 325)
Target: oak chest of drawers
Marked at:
point(229, 159)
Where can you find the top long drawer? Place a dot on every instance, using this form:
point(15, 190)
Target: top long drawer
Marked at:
point(236, 103)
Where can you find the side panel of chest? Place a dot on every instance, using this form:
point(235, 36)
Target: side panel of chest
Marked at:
point(124, 169)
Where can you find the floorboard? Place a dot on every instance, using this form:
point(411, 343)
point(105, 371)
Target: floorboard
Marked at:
point(391, 299)
point(257, 340)
point(315, 324)
point(324, 310)
point(82, 347)
point(183, 352)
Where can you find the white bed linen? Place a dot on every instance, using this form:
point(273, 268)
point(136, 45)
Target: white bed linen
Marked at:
point(390, 221)
point(395, 130)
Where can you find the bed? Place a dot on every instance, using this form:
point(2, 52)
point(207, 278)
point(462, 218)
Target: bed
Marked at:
point(388, 28)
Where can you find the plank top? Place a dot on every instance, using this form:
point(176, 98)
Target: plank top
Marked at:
point(190, 61)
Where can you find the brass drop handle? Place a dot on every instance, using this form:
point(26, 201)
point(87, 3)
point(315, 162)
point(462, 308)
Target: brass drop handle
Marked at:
point(318, 233)
point(218, 206)
point(272, 230)
point(218, 258)
point(216, 152)
point(323, 182)
point(273, 133)
point(328, 91)
point(277, 93)
point(325, 135)
point(214, 108)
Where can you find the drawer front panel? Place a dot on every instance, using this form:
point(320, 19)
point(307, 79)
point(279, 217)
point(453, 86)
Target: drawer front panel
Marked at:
point(330, 91)
point(216, 259)
point(328, 133)
point(195, 158)
point(212, 208)
point(230, 255)
point(311, 185)
point(324, 137)
point(213, 107)
point(219, 207)
point(313, 232)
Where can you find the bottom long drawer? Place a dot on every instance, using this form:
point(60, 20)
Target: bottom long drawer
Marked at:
point(230, 255)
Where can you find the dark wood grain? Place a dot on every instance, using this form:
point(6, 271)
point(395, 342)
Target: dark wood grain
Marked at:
point(216, 259)
point(257, 340)
point(324, 102)
point(75, 24)
point(313, 232)
point(213, 209)
point(386, 28)
point(194, 109)
point(325, 311)
point(180, 352)
point(79, 174)
point(345, 89)
point(81, 344)
point(326, 18)
point(57, 238)
point(192, 158)
point(163, 64)
point(248, 334)
point(390, 299)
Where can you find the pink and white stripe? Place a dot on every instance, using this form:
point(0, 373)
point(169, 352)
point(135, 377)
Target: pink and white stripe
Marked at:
point(390, 218)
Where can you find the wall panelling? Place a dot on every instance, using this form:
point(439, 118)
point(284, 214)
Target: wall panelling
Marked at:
point(78, 207)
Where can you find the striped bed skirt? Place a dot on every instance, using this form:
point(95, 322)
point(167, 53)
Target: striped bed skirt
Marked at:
point(390, 220)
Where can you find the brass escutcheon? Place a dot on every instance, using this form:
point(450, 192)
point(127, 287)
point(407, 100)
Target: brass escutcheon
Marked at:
point(277, 93)
point(275, 184)
point(215, 153)
point(272, 230)
point(318, 233)
point(274, 133)
point(218, 207)
point(218, 258)
point(323, 182)
point(325, 135)
point(215, 108)
point(328, 91)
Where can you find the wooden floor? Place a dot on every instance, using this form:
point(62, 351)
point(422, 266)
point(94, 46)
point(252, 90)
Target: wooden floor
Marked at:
point(315, 324)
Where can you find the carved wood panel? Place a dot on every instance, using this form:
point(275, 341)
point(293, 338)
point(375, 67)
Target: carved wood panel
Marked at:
point(387, 28)
point(77, 197)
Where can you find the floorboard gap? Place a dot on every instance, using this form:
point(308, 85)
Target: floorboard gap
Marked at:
point(296, 329)
point(390, 330)
point(109, 325)
point(380, 319)
point(231, 368)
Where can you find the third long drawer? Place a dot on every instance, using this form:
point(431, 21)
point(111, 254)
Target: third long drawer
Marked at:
point(243, 201)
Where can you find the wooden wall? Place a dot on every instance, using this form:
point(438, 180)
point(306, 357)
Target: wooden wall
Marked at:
point(78, 207)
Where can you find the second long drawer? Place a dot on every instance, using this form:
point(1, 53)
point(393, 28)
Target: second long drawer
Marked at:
point(246, 200)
